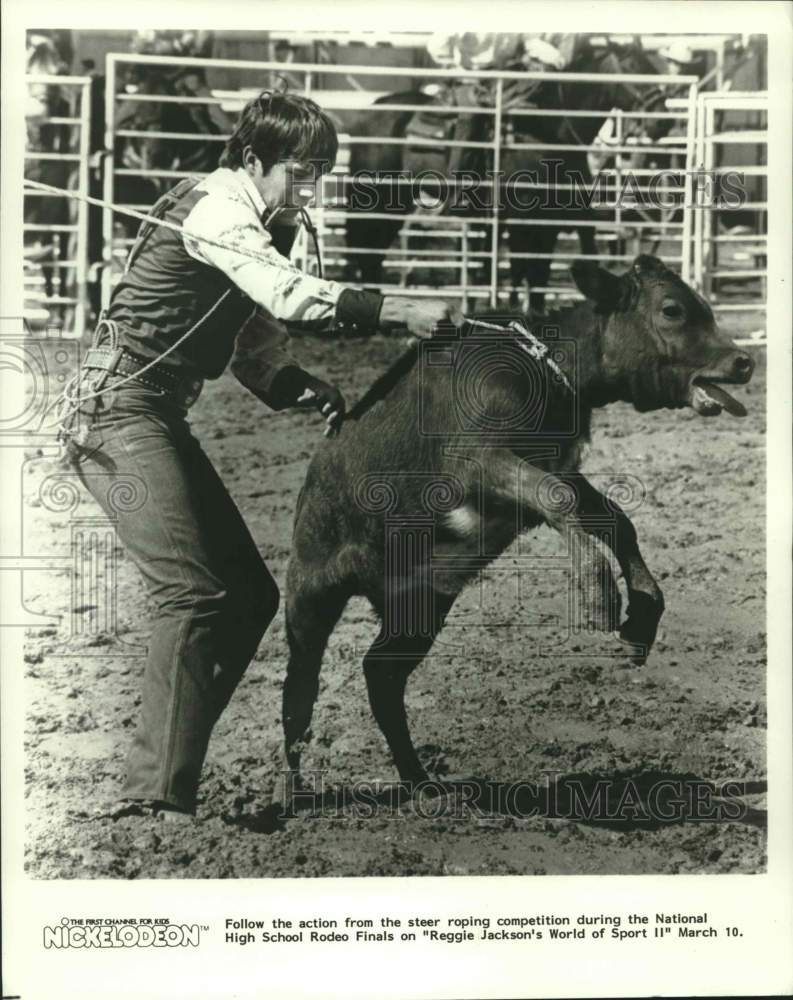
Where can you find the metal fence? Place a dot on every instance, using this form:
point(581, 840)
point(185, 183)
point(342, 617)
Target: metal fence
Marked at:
point(729, 262)
point(55, 226)
point(467, 257)
point(481, 271)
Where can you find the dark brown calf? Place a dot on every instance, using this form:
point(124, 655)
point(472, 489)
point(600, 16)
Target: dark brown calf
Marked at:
point(470, 440)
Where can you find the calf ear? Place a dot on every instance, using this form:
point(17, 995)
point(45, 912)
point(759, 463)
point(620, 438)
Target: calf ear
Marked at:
point(597, 284)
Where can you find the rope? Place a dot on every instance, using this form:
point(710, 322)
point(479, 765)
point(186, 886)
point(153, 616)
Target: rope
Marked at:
point(525, 340)
point(144, 217)
point(67, 401)
point(70, 403)
point(128, 378)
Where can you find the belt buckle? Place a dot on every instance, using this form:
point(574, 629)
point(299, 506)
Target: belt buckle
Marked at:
point(108, 368)
point(114, 357)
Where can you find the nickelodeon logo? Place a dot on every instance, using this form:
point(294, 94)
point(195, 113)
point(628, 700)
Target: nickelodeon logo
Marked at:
point(126, 936)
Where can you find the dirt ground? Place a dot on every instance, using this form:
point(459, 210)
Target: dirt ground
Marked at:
point(491, 704)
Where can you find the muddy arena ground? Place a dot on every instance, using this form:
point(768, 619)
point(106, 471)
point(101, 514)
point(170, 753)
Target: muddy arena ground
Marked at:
point(492, 708)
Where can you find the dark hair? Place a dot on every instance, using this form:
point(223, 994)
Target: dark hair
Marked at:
point(283, 127)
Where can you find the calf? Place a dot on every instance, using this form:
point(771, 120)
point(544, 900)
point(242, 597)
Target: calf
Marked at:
point(471, 438)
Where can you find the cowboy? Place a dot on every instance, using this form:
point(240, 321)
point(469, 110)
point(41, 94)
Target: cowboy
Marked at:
point(493, 51)
point(189, 297)
point(679, 58)
point(536, 52)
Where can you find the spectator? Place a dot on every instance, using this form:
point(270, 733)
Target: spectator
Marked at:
point(488, 51)
point(679, 58)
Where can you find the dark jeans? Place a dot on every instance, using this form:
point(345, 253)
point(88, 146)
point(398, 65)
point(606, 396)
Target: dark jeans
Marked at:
point(213, 594)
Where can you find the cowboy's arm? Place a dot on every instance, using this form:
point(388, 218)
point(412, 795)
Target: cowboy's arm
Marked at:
point(250, 259)
point(264, 364)
point(252, 262)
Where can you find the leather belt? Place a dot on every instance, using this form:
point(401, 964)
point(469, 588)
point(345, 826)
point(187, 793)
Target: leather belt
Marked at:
point(119, 362)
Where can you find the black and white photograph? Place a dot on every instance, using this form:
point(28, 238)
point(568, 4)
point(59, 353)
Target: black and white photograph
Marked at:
point(395, 487)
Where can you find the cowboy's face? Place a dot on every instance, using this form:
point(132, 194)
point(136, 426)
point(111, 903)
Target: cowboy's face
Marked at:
point(289, 185)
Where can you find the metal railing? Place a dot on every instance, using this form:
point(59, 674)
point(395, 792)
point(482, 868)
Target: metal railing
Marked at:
point(729, 262)
point(480, 272)
point(67, 301)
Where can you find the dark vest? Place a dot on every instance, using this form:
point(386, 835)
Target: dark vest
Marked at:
point(165, 291)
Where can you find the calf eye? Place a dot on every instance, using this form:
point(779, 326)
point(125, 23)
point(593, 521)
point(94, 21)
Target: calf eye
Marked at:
point(672, 310)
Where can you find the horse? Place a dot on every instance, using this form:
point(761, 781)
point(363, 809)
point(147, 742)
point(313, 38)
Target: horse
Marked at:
point(554, 169)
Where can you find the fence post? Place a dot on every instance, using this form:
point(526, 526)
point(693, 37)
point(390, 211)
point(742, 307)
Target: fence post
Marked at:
point(496, 191)
point(708, 250)
point(108, 171)
point(619, 122)
point(81, 263)
point(303, 241)
point(688, 185)
point(464, 266)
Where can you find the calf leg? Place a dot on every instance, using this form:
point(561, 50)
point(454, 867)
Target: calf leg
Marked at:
point(571, 505)
point(387, 665)
point(646, 602)
point(311, 615)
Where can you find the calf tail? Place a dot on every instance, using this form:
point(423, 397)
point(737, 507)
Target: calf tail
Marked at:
point(383, 386)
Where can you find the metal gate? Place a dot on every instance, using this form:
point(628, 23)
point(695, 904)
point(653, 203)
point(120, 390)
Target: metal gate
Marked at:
point(729, 264)
point(55, 226)
point(480, 271)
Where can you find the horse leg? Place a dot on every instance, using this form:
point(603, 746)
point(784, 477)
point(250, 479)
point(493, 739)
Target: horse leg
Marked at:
point(532, 272)
point(368, 234)
point(387, 665)
point(586, 237)
point(48, 269)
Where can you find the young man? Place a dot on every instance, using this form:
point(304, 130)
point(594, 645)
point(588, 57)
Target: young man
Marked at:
point(188, 298)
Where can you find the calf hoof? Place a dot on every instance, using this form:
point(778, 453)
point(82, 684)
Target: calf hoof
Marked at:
point(635, 653)
point(641, 625)
point(597, 602)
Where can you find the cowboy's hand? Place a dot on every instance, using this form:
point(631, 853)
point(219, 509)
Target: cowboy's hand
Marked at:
point(419, 316)
point(328, 400)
